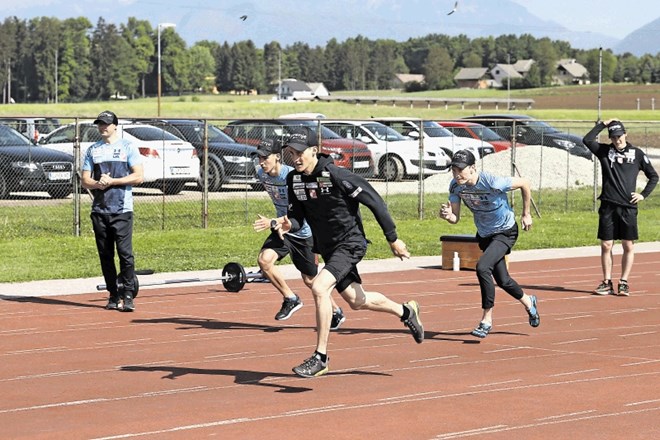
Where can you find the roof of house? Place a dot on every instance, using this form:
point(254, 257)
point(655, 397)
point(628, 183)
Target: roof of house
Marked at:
point(296, 86)
point(507, 70)
point(573, 68)
point(471, 73)
point(522, 66)
point(409, 77)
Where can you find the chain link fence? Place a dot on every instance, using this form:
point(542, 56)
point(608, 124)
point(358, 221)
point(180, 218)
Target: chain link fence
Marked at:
point(202, 173)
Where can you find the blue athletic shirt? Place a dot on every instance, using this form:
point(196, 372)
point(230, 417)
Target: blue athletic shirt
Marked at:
point(487, 200)
point(115, 159)
point(276, 189)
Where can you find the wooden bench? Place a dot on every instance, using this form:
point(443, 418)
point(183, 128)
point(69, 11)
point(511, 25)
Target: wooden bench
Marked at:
point(467, 247)
point(468, 250)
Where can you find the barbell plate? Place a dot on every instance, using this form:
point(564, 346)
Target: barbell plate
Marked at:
point(233, 277)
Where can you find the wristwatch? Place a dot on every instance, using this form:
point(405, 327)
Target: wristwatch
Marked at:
point(273, 223)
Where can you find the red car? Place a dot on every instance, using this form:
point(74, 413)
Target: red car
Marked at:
point(478, 131)
point(346, 153)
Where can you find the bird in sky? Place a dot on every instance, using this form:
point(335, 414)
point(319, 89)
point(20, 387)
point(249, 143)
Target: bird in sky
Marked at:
point(455, 7)
point(243, 17)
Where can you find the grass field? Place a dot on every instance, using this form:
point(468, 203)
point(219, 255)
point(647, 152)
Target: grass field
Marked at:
point(33, 252)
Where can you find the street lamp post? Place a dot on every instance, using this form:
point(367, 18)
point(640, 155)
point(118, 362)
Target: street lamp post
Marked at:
point(161, 26)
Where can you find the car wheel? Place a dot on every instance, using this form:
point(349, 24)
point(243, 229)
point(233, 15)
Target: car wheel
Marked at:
point(173, 188)
point(392, 169)
point(4, 191)
point(216, 174)
point(60, 192)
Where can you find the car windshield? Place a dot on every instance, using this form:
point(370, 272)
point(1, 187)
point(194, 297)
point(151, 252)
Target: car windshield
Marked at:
point(486, 133)
point(433, 129)
point(217, 135)
point(384, 133)
point(541, 126)
point(11, 138)
point(149, 133)
point(326, 133)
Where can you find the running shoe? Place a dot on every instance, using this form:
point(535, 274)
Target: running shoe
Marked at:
point(338, 319)
point(414, 322)
point(113, 304)
point(312, 367)
point(482, 330)
point(604, 288)
point(623, 290)
point(128, 303)
point(289, 307)
point(534, 318)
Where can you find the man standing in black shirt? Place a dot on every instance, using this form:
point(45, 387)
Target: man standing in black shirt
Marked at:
point(620, 163)
point(328, 198)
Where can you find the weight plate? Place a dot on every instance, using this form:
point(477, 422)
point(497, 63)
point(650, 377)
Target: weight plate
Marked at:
point(233, 277)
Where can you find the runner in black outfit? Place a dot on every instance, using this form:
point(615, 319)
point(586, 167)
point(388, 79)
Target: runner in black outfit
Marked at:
point(620, 163)
point(328, 198)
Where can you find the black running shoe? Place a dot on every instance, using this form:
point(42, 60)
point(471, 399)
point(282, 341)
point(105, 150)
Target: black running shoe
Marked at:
point(338, 319)
point(113, 304)
point(129, 306)
point(289, 307)
point(414, 322)
point(604, 288)
point(533, 312)
point(312, 367)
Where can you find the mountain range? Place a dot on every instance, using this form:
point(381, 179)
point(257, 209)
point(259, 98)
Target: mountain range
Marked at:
point(315, 23)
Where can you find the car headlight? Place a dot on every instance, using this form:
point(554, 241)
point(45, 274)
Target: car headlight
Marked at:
point(30, 166)
point(568, 145)
point(237, 159)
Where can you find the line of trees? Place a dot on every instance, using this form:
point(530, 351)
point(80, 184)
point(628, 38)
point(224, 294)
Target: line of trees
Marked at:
point(46, 59)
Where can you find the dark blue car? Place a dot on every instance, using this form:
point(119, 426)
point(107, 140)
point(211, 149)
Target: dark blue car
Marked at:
point(25, 167)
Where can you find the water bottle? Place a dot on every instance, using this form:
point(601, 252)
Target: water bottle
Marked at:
point(457, 262)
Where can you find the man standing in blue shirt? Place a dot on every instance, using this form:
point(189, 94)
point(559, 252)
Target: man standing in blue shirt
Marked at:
point(497, 231)
point(272, 173)
point(110, 168)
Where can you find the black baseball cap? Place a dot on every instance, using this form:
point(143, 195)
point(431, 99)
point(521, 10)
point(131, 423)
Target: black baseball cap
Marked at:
point(106, 117)
point(616, 129)
point(268, 147)
point(302, 141)
point(462, 159)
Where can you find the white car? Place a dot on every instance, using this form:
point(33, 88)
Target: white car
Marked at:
point(436, 135)
point(169, 162)
point(395, 156)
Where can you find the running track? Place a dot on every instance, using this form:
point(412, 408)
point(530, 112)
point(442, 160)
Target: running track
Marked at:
point(197, 362)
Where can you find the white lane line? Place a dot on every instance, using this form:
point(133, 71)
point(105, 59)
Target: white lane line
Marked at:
point(561, 416)
point(225, 355)
point(492, 384)
point(434, 359)
point(127, 341)
point(522, 347)
point(312, 410)
point(408, 396)
point(638, 334)
point(39, 350)
point(618, 312)
point(632, 364)
point(568, 373)
point(573, 317)
point(39, 376)
point(477, 431)
point(18, 331)
point(575, 341)
point(643, 402)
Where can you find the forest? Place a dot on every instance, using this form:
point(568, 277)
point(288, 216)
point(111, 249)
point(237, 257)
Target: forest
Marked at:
point(46, 59)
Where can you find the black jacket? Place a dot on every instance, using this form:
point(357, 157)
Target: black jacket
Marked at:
point(620, 169)
point(329, 199)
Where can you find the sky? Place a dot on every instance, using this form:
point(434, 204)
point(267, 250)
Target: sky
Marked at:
point(612, 17)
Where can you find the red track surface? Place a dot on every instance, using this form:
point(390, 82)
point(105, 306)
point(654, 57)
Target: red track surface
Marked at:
point(198, 362)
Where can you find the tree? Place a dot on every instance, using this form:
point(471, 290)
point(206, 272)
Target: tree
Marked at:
point(202, 67)
point(139, 35)
point(438, 69)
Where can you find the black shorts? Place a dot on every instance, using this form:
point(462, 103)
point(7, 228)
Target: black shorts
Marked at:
point(342, 262)
point(616, 222)
point(300, 250)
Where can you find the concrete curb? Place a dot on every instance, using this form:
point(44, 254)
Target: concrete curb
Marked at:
point(88, 285)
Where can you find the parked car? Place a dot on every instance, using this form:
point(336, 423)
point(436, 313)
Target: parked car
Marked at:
point(532, 131)
point(32, 128)
point(480, 132)
point(351, 154)
point(169, 162)
point(25, 167)
point(395, 155)
point(436, 135)
point(229, 161)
